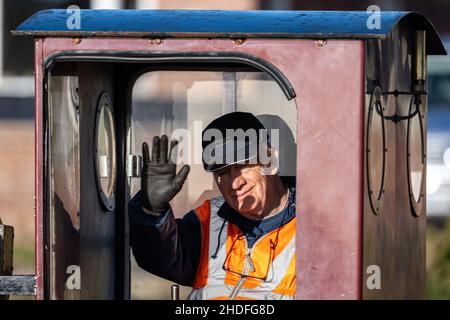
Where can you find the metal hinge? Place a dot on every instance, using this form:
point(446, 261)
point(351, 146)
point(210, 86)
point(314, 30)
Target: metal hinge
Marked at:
point(134, 165)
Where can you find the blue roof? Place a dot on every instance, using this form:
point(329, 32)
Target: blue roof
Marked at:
point(224, 24)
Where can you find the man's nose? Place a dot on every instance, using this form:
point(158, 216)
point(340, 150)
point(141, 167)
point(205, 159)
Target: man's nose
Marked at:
point(238, 179)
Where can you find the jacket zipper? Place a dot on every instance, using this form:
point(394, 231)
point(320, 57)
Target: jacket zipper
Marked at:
point(248, 264)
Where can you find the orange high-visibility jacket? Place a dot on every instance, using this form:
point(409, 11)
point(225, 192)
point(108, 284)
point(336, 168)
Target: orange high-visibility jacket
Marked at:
point(228, 269)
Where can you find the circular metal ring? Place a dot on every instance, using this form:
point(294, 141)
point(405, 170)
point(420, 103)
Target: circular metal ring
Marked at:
point(105, 164)
point(376, 196)
point(416, 204)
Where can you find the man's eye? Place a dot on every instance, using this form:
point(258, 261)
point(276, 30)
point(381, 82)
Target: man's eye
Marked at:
point(221, 173)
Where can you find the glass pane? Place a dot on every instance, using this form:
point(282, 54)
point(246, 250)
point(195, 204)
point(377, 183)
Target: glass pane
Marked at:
point(416, 157)
point(64, 184)
point(170, 102)
point(259, 94)
point(106, 151)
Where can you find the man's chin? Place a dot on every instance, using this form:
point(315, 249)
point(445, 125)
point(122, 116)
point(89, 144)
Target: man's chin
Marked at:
point(250, 212)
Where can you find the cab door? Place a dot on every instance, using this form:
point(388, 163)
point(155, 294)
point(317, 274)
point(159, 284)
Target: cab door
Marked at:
point(81, 225)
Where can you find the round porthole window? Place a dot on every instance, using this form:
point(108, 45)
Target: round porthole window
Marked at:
point(375, 151)
point(105, 152)
point(416, 161)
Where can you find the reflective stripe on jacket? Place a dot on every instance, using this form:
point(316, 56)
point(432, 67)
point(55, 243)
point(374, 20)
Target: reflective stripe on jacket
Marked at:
point(225, 258)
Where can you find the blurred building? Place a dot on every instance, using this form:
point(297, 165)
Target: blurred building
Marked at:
point(438, 162)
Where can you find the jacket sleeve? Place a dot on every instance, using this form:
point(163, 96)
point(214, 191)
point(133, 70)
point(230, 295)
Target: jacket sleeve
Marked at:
point(167, 247)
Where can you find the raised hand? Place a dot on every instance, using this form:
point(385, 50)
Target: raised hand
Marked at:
point(159, 181)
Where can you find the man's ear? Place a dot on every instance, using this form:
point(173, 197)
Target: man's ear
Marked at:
point(272, 167)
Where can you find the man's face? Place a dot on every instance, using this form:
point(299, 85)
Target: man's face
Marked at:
point(244, 187)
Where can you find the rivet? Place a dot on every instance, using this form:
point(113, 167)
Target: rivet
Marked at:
point(321, 43)
point(76, 40)
point(239, 41)
point(156, 42)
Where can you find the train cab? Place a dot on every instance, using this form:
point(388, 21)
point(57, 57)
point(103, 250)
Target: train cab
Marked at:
point(346, 100)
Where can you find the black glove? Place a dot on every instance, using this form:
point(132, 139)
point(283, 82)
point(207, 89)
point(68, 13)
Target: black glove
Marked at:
point(159, 184)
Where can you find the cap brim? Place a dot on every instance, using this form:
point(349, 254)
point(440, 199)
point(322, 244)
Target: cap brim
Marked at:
point(230, 154)
point(215, 167)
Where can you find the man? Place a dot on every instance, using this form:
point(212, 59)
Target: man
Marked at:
point(237, 246)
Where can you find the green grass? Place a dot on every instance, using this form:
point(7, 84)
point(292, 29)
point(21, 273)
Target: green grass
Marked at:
point(438, 264)
point(23, 262)
point(23, 259)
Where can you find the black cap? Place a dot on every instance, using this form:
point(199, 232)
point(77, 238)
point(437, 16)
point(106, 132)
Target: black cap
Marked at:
point(233, 138)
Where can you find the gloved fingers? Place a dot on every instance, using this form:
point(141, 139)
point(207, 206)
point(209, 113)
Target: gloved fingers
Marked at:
point(145, 154)
point(179, 179)
point(155, 149)
point(163, 149)
point(173, 157)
